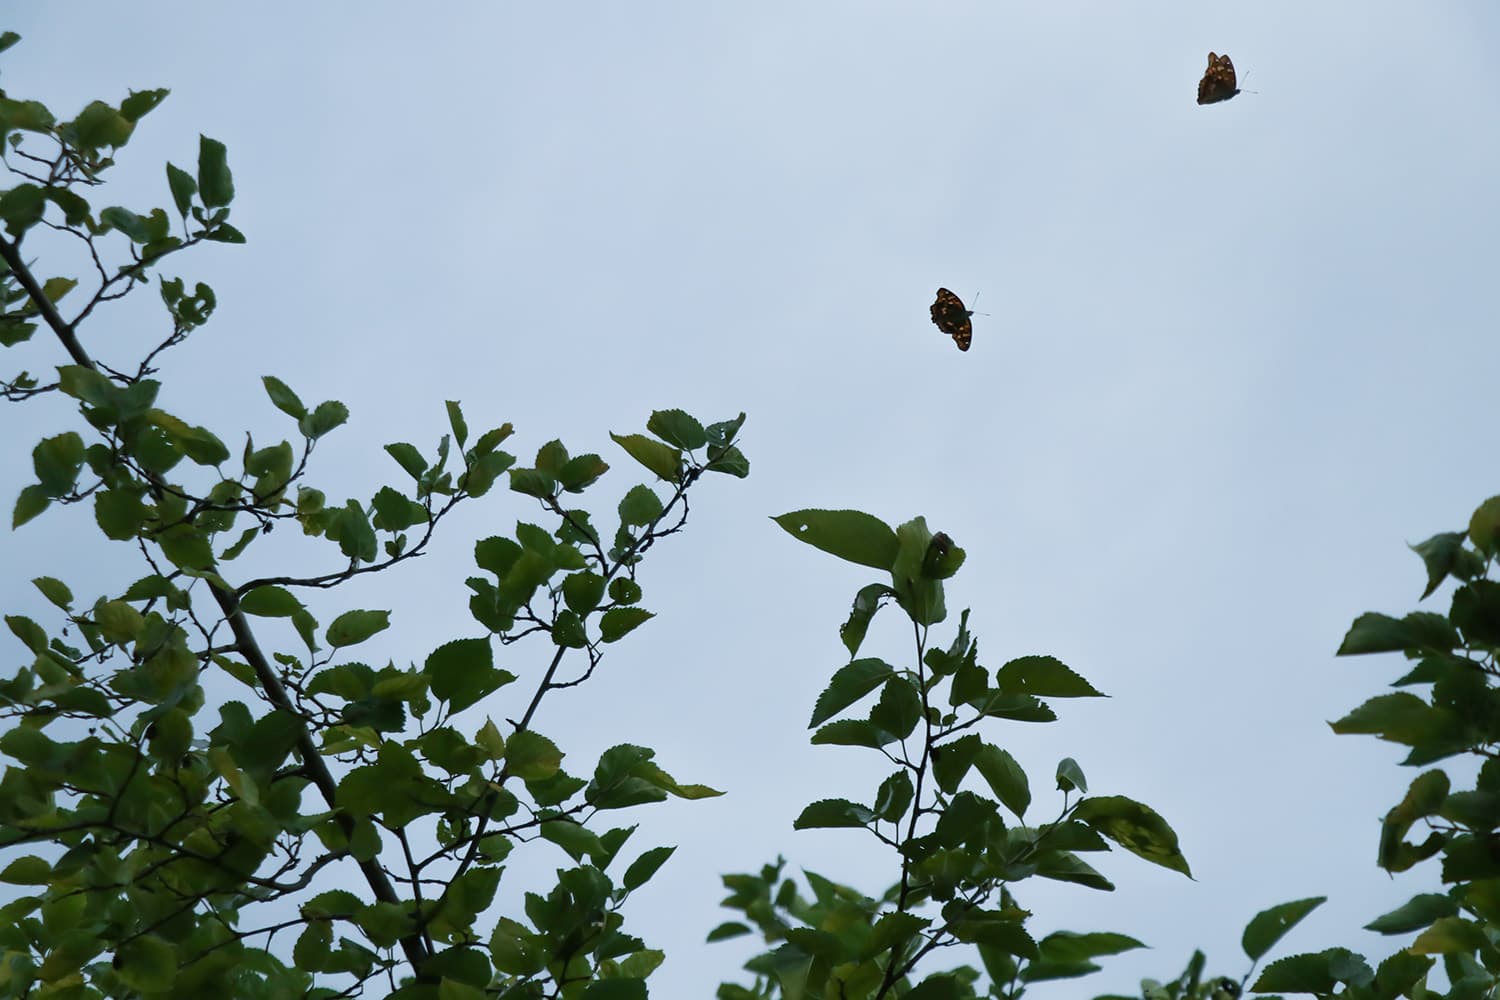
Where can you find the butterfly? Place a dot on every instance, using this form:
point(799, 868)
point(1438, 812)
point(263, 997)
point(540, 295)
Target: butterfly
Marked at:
point(952, 318)
point(1218, 83)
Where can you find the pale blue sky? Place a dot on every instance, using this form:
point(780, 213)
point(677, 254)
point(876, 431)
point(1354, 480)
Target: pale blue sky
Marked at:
point(1237, 356)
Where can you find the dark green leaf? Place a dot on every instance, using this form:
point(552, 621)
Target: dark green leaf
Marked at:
point(1377, 633)
point(183, 188)
point(1043, 677)
point(270, 602)
point(57, 461)
point(54, 590)
point(463, 672)
point(1269, 925)
point(730, 461)
point(616, 623)
point(1005, 778)
point(408, 458)
point(1315, 973)
point(830, 813)
point(849, 534)
point(850, 683)
point(214, 179)
point(21, 207)
point(140, 102)
point(456, 422)
point(186, 547)
point(1416, 913)
point(1439, 554)
point(32, 501)
point(643, 867)
point(640, 506)
point(678, 429)
point(578, 474)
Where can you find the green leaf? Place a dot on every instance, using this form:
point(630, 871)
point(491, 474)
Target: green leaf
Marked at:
point(1449, 935)
point(1005, 778)
point(1135, 827)
point(183, 188)
point(147, 963)
point(99, 125)
point(7, 39)
point(849, 534)
point(834, 813)
point(850, 683)
point(1377, 633)
point(270, 602)
point(1439, 553)
point(951, 761)
point(1401, 717)
point(327, 416)
point(354, 627)
point(32, 501)
point(1270, 925)
point(643, 867)
point(616, 623)
point(214, 179)
point(1484, 526)
point(57, 461)
point(119, 513)
point(678, 429)
point(463, 672)
point(900, 707)
point(27, 870)
point(894, 796)
point(852, 733)
point(1067, 946)
point(140, 102)
point(616, 989)
point(1316, 973)
point(1043, 677)
point(453, 989)
point(866, 603)
point(661, 459)
point(578, 474)
point(1416, 913)
point(640, 506)
point(531, 756)
point(583, 591)
point(186, 547)
point(623, 590)
point(730, 461)
point(456, 422)
point(22, 207)
point(408, 458)
point(54, 590)
point(1070, 776)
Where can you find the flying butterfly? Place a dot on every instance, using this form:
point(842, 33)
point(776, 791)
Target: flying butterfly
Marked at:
point(952, 318)
point(1218, 83)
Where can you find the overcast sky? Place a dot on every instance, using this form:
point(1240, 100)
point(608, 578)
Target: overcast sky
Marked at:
point(1236, 358)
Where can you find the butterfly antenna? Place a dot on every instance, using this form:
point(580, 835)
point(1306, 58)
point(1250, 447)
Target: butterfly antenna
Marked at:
point(976, 302)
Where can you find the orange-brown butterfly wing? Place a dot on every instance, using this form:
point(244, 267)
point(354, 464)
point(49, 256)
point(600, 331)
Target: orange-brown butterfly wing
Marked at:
point(952, 318)
point(1218, 83)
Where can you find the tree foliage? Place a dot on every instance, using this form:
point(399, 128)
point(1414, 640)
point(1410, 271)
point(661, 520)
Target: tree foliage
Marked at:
point(207, 788)
point(212, 785)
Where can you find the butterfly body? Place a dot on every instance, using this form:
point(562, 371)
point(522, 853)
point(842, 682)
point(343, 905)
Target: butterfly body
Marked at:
point(1218, 83)
point(952, 318)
